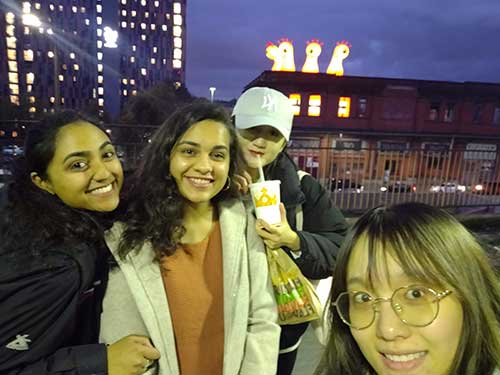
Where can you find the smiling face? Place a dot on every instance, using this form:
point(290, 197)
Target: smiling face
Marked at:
point(260, 141)
point(199, 161)
point(391, 346)
point(84, 172)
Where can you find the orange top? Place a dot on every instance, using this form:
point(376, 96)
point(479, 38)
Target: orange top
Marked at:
point(194, 285)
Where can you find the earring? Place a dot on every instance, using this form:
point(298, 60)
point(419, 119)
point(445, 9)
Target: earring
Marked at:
point(228, 184)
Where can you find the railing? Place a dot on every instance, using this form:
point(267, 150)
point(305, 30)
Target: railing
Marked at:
point(357, 179)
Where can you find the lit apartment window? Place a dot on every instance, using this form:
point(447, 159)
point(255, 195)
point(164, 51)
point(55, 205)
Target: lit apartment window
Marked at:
point(434, 111)
point(124, 13)
point(177, 8)
point(496, 116)
point(28, 55)
point(32, 110)
point(177, 53)
point(74, 79)
point(295, 101)
point(143, 26)
point(13, 66)
point(155, 49)
point(99, 44)
point(124, 2)
point(50, 32)
point(125, 93)
point(11, 54)
point(76, 67)
point(132, 59)
point(10, 30)
point(100, 79)
point(134, 92)
point(143, 37)
point(100, 90)
point(13, 77)
point(62, 100)
point(98, 7)
point(26, 30)
point(124, 81)
point(362, 107)
point(99, 56)
point(146, 14)
point(52, 99)
point(177, 64)
point(14, 89)
point(132, 82)
point(143, 3)
point(157, 4)
point(178, 42)
point(50, 54)
point(30, 78)
point(314, 109)
point(100, 102)
point(32, 99)
point(9, 18)
point(164, 27)
point(153, 26)
point(37, 6)
point(74, 9)
point(99, 67)
point(134, 47)
point(51, 7)
point(449, 112)
point(133, 13)
point(153, 61)
point(344, 109)
point(26, 7)
point(87, 22)
point(61, 78)
point(132, 25)
point(82, 10)
point(144, 71)
point(177, 31)
point(72, 55)
point(99, 20)
point(29, 88)
point(14, 99)
point(61, 8)
point(177, 19)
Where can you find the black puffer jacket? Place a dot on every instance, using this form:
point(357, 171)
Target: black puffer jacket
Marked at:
point(50, 307)
point(324, 228)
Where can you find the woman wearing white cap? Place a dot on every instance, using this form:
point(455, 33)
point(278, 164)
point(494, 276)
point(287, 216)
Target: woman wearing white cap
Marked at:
point(263, 118)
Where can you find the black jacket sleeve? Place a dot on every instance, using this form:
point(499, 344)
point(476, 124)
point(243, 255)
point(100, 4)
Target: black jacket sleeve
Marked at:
point(41, 317)
point(324, 229)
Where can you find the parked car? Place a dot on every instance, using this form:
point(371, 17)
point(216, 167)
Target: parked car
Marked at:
point(345, 185)
point(487, 188)
point(400, 187)
point(448, 187)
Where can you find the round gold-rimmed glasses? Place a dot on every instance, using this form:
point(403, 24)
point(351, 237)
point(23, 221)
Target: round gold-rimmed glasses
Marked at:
point(415, 305)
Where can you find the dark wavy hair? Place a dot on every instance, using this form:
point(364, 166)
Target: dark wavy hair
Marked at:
point(155, 212)
point(431, 246)
point(31, 218)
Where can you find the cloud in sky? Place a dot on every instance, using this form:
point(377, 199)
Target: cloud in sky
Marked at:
point(455, 40)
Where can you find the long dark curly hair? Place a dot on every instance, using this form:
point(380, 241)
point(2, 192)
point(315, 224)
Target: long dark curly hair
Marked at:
point(31, 219)
point(155, 211)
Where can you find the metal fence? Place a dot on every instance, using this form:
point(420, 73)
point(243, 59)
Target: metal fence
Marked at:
point(356, 179)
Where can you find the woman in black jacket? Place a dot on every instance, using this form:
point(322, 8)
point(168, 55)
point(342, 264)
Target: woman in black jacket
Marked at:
point(53, 261)
point(263, 118)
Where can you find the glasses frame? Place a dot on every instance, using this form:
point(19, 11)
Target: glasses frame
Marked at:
point(374, 302)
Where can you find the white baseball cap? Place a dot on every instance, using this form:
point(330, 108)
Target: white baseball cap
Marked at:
point(264, 106)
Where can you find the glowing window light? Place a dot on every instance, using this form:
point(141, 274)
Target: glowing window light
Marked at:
point(98, 8)
point(26, 30)
point(99, 44)
point(62, 100)
point(74, 9)
point(132, 82)
point(11, 54)
point(124, 13)
point(31, 20)
point(143, 37)
point(52, 99)
point(134, 47)
point(74, 79)
point(132, 59)
point(143, 26)
point(50, 32)
point(76, 67)
point(314, 109)
point(51, 7)
point(14, 99)
point(99, 55)
point(344, 107)
point(153, 60)
point(134, 92)
point(61, 78)
point(177, 19)
point(143, 3)
point(133, 13)
point(32, 99)
point(157, 4)
point(110, 37)
point(132, 25)
point(72, 55)
point(164, 27)
point(99, 32)
point(26, 7)
point(14, 89)
point(177, 31)
point(100, 102)
point(10, 18)
point(100, 79)
point(50, 54)
point(41, 30)
point(87, 22)
point(124, 2)
point(124, 81)
point(28, 55)
point(177, 8)
point(153, 26)
point(146, 14)
point(11, 42)
point(37, 6)
point(32, 110)
point(99, 20)
point(29, 88)
point(82, 10)
point(155, 49)
point(30, 78)
point(177, 64)
point(100, 90)
point(125, 92)
point(10, 30)
point(13, 77)
point(295, 101)
point(99, 67)
point(177, 53)
point(124, 24)
point(178, 42)
point(144, 71)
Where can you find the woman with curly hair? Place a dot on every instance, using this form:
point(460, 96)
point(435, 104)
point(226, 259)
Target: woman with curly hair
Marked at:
point(413, 293)
point(193, 271)
point(53, 259)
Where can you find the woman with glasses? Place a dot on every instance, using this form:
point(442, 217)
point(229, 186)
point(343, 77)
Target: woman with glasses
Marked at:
point(413, 293)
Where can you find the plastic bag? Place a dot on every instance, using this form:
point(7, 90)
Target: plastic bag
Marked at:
point(295, 295)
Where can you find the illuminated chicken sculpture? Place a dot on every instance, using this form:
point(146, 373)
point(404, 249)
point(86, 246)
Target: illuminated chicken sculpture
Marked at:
point(340, 52)
point(287, 59)
point(273, 53)
point(313, 50)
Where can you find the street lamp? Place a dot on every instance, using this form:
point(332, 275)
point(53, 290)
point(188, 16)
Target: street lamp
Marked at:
point(212, 92)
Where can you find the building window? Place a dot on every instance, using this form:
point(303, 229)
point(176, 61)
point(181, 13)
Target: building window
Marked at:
point(30, 78)
point(177, 64)
point(144, 71)
point(449, 112)
point(344, 109)
point(362, 107)
point(178, 42)
point(177, 31)
point(477, 113)
point(177, 19)
point(496, 116)
point(295, 101)
point(28, 55)
point(11, 54)
point(434, 111)
point(314, 109)
point(177, 8)
point(76, 67)
point(177, 53)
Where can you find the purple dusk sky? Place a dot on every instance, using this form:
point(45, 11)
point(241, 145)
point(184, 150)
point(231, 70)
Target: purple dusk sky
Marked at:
point(450, 40)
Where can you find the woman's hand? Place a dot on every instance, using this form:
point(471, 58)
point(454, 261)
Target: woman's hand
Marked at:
point(131, 355)
point(242, 181)
point(278, 235)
